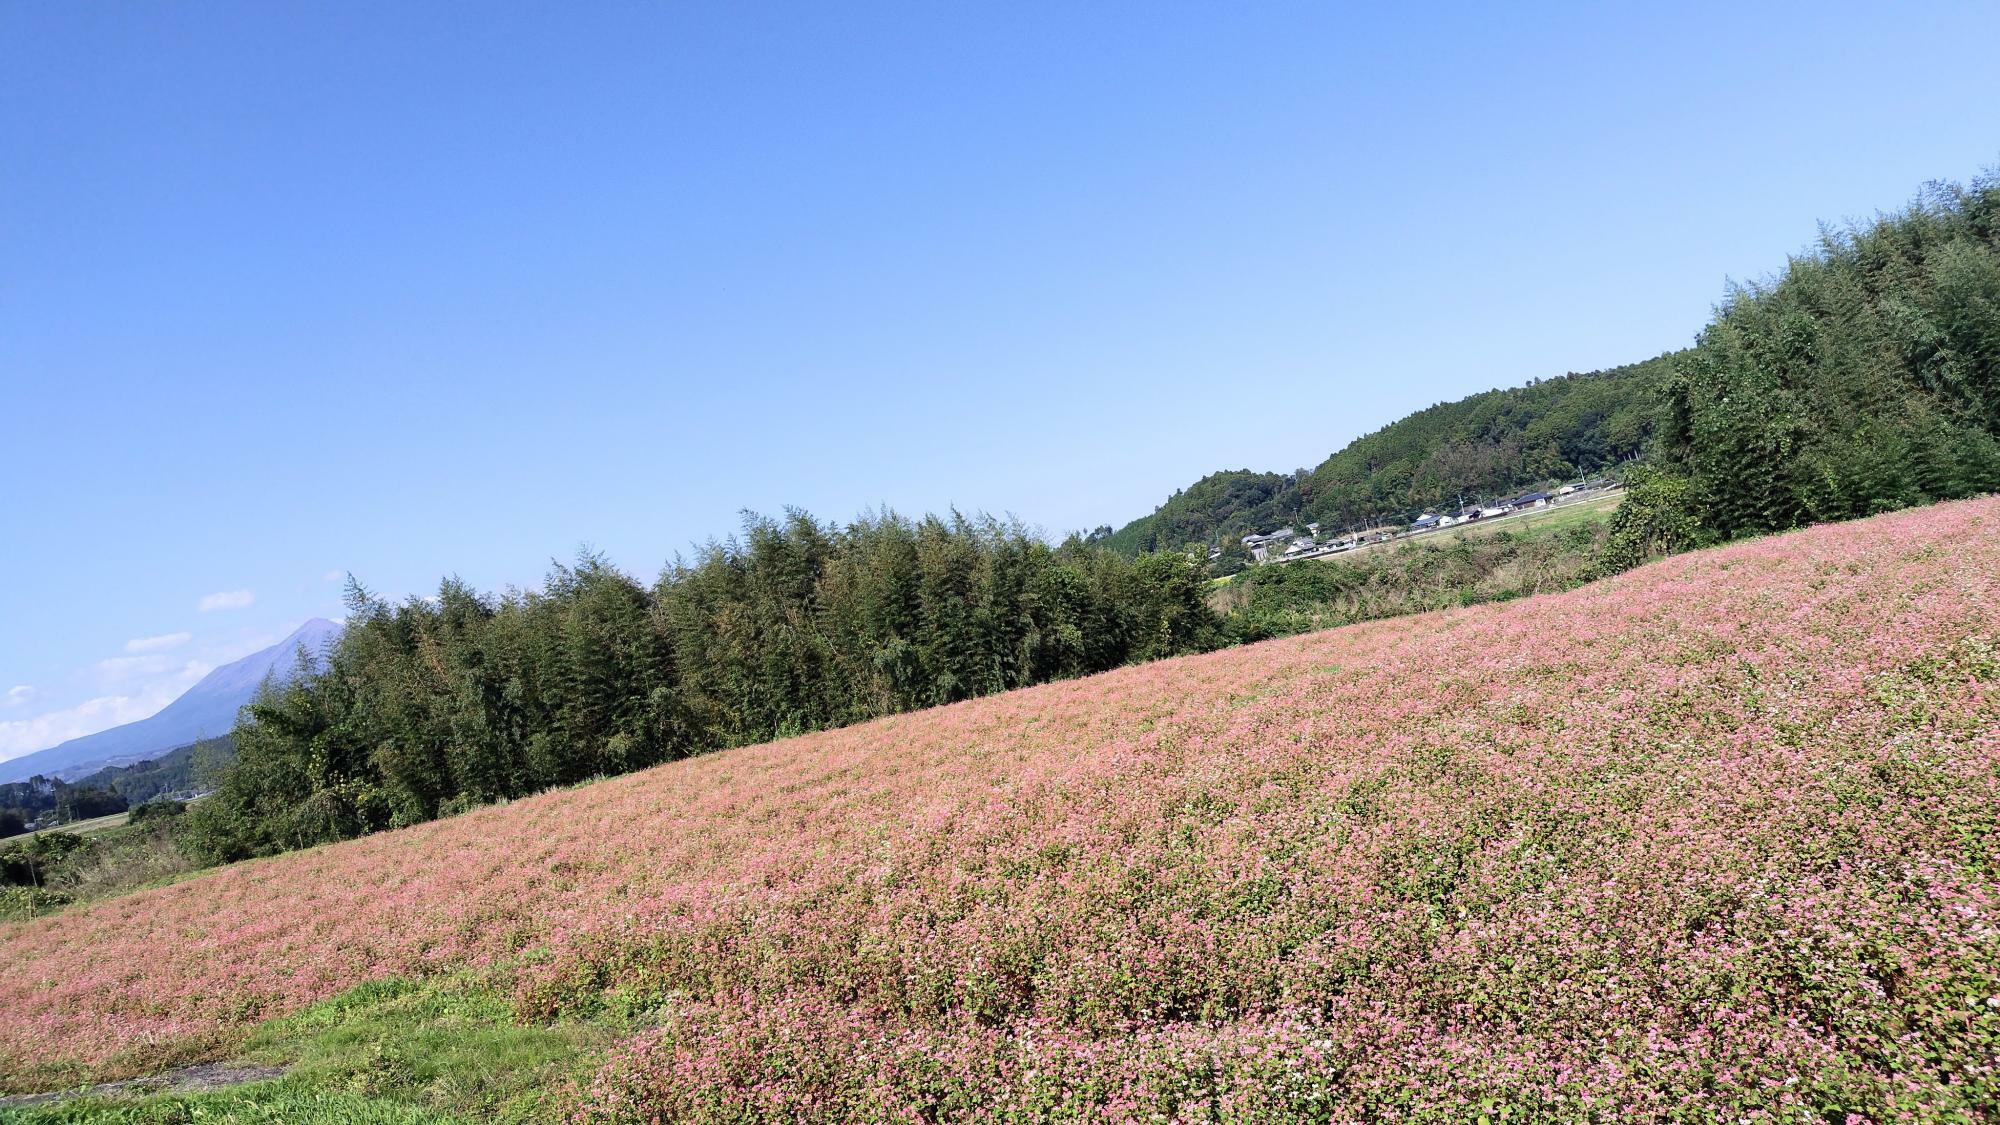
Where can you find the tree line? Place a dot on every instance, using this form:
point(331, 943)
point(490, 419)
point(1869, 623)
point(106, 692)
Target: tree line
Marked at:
point(433, 705)
point(1865, 377)
point(23, 803)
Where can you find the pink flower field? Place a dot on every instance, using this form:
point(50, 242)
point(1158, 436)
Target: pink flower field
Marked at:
point(1712, 840)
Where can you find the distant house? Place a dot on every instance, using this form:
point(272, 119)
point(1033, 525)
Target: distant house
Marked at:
point(1532, 500)
point(1425, 522)
point(1260, 546)
point(1500, 510)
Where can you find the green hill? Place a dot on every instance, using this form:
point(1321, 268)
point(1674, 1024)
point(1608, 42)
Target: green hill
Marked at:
point(1230, 503)
point(1495, 442)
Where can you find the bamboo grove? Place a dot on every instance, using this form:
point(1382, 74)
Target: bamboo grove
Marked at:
point(433, 705)
point(1864, 378)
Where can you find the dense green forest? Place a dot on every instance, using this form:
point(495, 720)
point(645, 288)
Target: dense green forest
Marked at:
point(431, 706)
point(1863, 378)
point(1484, 446)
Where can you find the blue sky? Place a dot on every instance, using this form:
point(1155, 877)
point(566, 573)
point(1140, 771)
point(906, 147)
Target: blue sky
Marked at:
point(416, 289)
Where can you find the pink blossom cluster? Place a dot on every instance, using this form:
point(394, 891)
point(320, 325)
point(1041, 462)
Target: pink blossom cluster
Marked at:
point(1717, 839)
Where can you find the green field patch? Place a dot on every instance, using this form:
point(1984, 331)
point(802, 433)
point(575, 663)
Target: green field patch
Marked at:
point(389, 1052)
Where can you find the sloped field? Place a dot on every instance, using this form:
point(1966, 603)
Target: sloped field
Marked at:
point(1713, 839)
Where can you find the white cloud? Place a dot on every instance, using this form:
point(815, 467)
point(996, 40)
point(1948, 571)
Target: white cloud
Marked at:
point(120, 667)
point(25, 736)
point(335, 576)
point(160, 643)
point(17, 695)
point(228, 599)
point(118, 673)
point(154, 664)
point(164, 679)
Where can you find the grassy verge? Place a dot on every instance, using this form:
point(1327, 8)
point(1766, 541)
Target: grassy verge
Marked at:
point(111, 860)
point(85, 827)
point(394, 1052)
point(1589, 512)
point(262, 1104)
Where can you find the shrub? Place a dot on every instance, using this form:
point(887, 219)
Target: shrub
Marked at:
point(165, 811)
point(1660, 515)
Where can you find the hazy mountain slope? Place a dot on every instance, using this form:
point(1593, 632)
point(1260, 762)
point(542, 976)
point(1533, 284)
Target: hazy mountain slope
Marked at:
point(178, 772)
point(1707, 840)
point(206, 710)
point(1495, 442)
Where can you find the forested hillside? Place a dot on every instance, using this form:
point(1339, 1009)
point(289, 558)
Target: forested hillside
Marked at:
point(181, 772)
point(1492, 443)
point(1229, 503)
point(1863, 378)
point(433, 706)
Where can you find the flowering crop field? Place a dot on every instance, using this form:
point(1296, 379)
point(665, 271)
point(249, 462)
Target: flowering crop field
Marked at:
point(1717, 839)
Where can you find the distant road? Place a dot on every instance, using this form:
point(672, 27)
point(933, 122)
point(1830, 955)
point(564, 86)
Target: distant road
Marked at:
point(82, 827)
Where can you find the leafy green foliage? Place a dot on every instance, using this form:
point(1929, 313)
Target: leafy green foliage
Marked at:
point(17, 903)
point(1866, 377)
point(1660, 515)
point(433, 706)
point(52, 870)
point(1490, 444)
point(28, 862)
point(158, 811)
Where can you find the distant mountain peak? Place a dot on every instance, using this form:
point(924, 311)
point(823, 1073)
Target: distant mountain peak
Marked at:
point(205, 710)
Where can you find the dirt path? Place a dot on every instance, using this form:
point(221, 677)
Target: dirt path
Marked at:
point(183, 1080)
